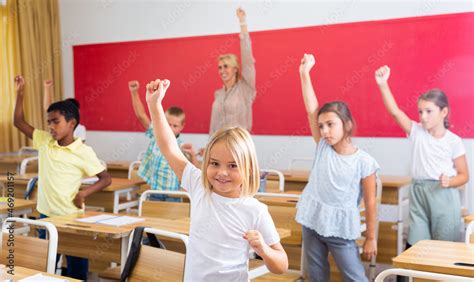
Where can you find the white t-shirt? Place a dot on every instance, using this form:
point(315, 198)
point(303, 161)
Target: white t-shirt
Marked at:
point(80, 132)
point(217, 250)
point(434, 156)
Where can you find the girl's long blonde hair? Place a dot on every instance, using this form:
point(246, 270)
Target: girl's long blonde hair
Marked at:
point(239, 142)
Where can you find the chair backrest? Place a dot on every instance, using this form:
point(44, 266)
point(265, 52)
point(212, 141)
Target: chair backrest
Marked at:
point(133, 170)
point(27, 150)
point(29, 165)
point(284, 217)
point(281, 178)
point(30, 192)
point(30, 252)
point(154, 264)
point(162, 209)
point(470, 233)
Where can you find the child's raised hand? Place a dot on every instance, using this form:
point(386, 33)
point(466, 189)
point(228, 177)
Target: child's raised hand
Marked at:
point(444, 180)
point(133, 85)
point(188, 148)
point(382, 75)
point(241, 14)
point(19, 84)
point(307, 62)
point(370, 248)
point(48, 83)
point(256, 241)
point(156, 90)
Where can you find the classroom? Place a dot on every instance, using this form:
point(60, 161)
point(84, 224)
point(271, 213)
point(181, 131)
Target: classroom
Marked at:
point(192, 140)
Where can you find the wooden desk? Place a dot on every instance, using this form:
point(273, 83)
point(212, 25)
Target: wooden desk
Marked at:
point(11, 163)
point(23, 272)
point(438, 257)
point(118, 169)
point(100, 242)
point(21, 207)
point(109, 198)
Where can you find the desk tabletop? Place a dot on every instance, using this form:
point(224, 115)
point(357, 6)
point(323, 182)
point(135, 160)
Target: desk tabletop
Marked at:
point(19, 204)
point(394, 181)
point(69, 224)
point(388, 181)
point(23, 272)
point(438, 257)
point(119, 184)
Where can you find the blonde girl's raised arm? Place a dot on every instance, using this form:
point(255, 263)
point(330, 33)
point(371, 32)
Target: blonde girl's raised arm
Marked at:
point(155, 92)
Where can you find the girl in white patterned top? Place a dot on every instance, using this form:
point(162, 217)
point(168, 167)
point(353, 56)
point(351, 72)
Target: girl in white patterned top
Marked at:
point(226, 221)
point(342, 175)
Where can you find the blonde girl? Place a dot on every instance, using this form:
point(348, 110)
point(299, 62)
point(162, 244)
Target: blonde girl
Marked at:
point(226, 221)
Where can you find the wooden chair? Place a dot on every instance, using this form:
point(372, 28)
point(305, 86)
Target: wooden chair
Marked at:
point(161, 209)
point(154, 264)
point(283, 217)
point(30, 252)
point(420, 274)
point(281, 178)
point(27, 151)
point(29, 165)
point(133, 170)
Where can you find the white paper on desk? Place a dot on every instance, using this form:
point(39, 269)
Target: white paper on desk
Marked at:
point(41, 277)
point(121, 220)
point(96, 218)
point(90, 180)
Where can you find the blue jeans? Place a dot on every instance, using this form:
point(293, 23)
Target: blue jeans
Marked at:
point(345, 253)
point(76, 267)
point(162, 197)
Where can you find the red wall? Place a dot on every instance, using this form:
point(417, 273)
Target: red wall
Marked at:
point(423, 53)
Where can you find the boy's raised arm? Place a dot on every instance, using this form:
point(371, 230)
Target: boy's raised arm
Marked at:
point(138, 108)
point(19, 117)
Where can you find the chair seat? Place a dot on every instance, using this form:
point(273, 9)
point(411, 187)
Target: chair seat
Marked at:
point(111, 273)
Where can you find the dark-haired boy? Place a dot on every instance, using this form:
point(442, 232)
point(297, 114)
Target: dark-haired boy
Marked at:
point(63, 162)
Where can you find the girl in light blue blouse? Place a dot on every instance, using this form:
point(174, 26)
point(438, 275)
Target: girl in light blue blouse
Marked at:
point(342, 175)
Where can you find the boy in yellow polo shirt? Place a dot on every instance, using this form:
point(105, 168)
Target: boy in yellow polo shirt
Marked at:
point(63, 162)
